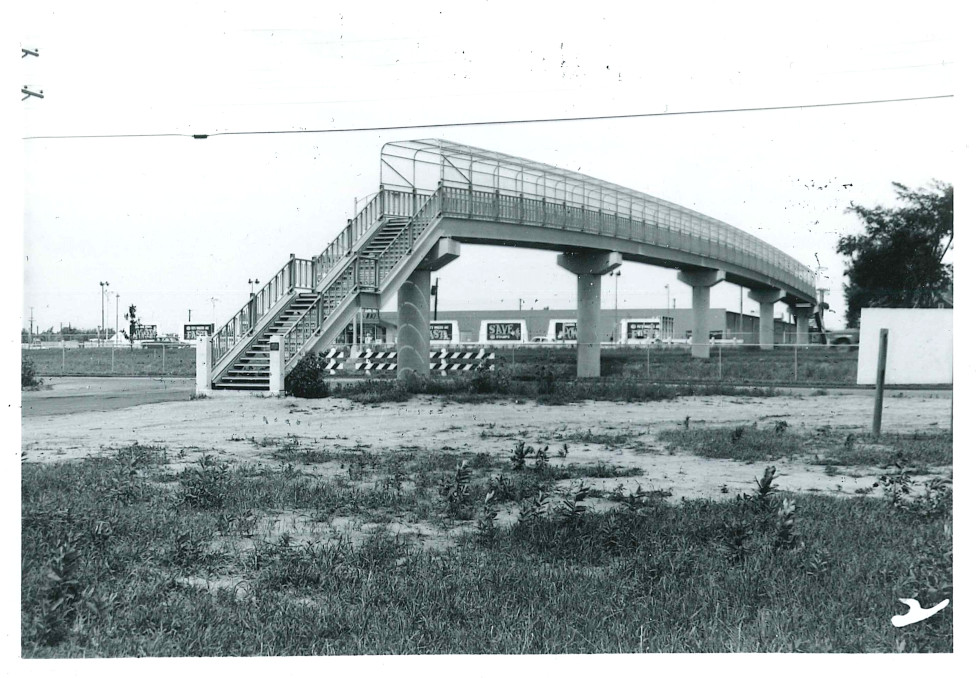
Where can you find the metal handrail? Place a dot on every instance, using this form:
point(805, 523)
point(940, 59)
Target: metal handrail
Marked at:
point(386, 203)
point(314, 317)
point(624, 208)
point(727, 243)
point(296, 273)
point(367, 273)
point(403, 243)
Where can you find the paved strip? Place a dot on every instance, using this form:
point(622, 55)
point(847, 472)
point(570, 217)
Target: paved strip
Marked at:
point(70, 395)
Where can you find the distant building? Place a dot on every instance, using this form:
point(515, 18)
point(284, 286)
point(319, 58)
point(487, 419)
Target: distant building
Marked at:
point(722, 324)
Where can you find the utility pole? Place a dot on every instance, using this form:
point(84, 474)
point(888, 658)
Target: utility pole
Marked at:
point(104, 286)
point(740, 311)
point(30, 333)
point(616, 279)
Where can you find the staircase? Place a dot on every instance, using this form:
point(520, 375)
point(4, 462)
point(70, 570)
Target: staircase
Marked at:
point(310, 298)
point(252, 369)
point(382, 238)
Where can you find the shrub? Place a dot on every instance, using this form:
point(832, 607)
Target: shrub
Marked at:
point(206, 485)
point(487, 380)
point(305, 381)
point(28, 374)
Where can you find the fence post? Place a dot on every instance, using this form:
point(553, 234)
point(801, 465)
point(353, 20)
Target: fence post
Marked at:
point(879, 382)
point(796, 366)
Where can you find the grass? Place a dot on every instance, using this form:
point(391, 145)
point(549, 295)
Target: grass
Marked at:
point(813, 365)
point(501, 387)
point(98, 362)
point(111, 547)
point(822, 446)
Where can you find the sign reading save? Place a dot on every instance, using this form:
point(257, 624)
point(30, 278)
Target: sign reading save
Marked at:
point(504, 332)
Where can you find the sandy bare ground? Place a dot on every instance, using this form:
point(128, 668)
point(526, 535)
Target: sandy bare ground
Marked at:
point(224, 425)
point(248, 428)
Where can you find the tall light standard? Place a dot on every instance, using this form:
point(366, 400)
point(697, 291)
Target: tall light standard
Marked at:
point(667, 298)
point(253, 282)
point(116, 319)
point(104, 286)
point(213, 309)
point(616, 279)
point(740, 314)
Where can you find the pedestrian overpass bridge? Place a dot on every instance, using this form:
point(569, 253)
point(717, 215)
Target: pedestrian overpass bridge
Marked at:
point(435, 195)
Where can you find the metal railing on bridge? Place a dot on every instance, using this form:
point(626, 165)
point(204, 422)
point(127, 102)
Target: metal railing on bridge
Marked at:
point(517, 190)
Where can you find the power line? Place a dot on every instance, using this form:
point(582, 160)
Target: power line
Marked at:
point(481, 123)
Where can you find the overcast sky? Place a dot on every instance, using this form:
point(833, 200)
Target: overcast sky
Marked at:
point(177, 224)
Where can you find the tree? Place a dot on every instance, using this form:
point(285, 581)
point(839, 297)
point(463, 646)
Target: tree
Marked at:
point(133, 323)
point(897, 261)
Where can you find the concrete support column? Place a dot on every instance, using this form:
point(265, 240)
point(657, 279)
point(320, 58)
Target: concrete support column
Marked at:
point(276, 354)
point(204, 365)
point(701, 282)
point(413, 325)
point(802, 313)
point(767, 298)
point(588, 267)
point(588, 325)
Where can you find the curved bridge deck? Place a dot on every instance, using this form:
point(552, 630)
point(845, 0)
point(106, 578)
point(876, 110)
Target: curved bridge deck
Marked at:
point(435, 194)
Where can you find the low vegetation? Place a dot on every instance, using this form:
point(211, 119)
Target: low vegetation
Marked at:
point(308, 380)
point(100, 362)
point(813, 365)
point(142, 552)
point(547, 366)
point(28, 375)
point(822, 446)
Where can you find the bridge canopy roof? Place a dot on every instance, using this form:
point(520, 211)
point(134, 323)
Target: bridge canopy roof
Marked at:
point(426, 164)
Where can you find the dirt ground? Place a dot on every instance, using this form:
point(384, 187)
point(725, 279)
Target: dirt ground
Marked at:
point(224, 424)
point(229, 425)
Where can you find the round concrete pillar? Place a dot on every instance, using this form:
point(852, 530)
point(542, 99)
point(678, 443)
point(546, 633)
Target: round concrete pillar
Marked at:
point(413, 325)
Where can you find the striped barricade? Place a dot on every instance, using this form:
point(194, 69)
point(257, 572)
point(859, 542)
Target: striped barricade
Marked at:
point(337, 360)
point(447, 361)
point(444, 361)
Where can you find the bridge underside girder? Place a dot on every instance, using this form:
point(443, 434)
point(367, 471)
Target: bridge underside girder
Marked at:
point(559, 240)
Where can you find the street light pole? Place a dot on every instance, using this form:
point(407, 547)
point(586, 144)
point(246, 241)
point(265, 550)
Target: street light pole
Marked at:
point(740, 313)
point(104, 286)
point(616, 315)
point(667, 298)
point(116, 319)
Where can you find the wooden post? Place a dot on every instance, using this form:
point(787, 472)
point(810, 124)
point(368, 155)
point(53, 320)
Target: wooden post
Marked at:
point(879, 382)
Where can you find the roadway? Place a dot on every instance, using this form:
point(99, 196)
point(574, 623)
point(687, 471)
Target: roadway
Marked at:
point(70, 395)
